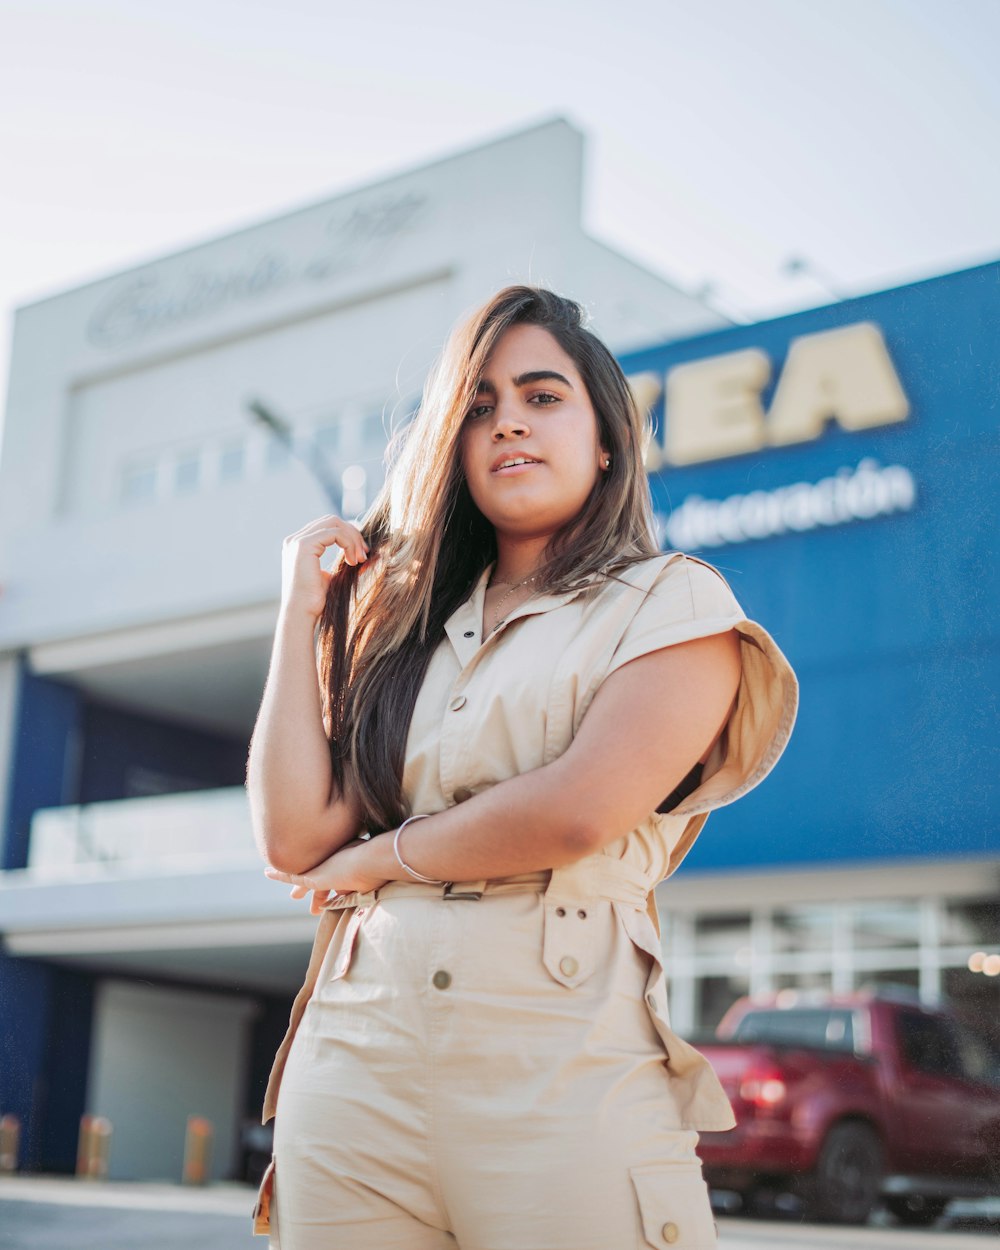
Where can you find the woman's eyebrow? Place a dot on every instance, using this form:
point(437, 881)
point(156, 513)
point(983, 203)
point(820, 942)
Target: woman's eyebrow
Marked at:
point(522, 379)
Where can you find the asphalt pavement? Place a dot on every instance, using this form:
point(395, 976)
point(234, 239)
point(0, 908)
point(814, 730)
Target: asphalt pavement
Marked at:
point(43, 1213)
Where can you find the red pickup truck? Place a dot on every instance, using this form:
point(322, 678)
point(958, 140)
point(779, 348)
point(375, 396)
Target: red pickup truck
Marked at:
point(853, 1099)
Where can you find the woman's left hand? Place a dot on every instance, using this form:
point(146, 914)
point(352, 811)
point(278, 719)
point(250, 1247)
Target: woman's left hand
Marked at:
point(349, 869)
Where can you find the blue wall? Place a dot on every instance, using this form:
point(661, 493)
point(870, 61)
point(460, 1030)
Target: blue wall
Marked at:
point(70, 750)
point(66, 751)
point(43, 768)
point(890, 623)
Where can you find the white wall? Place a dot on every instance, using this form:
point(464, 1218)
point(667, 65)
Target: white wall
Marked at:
point(326, 313)
point(158, 1056)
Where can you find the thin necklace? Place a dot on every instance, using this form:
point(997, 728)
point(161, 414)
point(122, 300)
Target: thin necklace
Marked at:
point(503, 598)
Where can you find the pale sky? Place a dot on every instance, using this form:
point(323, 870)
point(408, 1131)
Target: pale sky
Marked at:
point(724, 136)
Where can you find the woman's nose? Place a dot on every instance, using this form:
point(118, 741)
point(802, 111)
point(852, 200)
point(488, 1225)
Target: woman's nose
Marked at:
point(507, 423)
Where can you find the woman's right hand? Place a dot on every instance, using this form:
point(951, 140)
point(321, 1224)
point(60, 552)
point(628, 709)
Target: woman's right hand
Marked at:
point(303, 582)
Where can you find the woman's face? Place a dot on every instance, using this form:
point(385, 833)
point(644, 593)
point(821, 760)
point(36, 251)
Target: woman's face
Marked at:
point(532, 405)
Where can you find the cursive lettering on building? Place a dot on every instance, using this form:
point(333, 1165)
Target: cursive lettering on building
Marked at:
point(153, 302)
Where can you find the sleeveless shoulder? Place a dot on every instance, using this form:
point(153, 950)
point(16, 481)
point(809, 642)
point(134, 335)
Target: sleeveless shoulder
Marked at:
point(685, 598)
point(689, 598)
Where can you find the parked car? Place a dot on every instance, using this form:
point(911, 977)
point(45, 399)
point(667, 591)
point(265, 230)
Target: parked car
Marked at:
point(849, 1100)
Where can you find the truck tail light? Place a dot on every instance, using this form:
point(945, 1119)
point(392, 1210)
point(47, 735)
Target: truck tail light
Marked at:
point(763, 1087)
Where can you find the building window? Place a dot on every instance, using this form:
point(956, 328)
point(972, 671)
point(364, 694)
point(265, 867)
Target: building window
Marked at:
point(971, 923)
point(976, 998)
point(327, 439)
point(803, 928)
point(232, 455)
point(139, 481)
point(374, 433)
point(904, 980)
point(723, 934)
point(277, 453)
point(187, 472)
point(816, 981)
point(887, 924)
point(716, 995)
point(928, 1044)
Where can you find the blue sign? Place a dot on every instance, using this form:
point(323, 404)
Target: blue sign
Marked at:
point(861, 531)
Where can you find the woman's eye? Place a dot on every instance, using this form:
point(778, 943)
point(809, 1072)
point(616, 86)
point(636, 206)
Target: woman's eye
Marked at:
point(547, 395)
point(478, 412)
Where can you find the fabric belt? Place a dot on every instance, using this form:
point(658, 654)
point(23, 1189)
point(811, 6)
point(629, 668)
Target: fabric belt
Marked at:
point(596, 877)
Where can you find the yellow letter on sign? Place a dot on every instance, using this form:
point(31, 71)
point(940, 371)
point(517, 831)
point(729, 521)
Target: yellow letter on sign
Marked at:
point(713, 407)
point(842, 375)
point(646, 389)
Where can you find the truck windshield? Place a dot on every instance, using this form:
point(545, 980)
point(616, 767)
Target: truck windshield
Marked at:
point(831, 1029)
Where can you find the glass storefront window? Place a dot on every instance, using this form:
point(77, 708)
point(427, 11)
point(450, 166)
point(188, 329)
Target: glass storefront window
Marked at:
point(929, 1044)
point(715, 996)
point(803, 928)
point(975, 999)
point(724, 933)
point(822, 981)
point(972, 923)
point(906, 980)
point(887, 923)
point(909, 948)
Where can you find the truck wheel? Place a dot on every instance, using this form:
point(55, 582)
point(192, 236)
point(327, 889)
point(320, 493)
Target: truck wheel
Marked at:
point(914, 1210)
point(848, 1176)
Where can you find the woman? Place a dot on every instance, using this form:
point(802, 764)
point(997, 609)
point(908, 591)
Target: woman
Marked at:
point(512, 678)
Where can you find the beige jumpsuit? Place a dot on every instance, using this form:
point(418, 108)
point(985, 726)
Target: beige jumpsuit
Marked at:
point(490, 1065)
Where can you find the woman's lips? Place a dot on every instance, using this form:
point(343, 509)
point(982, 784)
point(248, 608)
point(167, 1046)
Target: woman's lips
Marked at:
point(511, 469)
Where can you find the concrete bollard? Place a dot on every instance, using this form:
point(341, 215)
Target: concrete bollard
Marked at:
point(93, 1147)
point(83, 1145)
point(10, 1142)
point(197, 1150)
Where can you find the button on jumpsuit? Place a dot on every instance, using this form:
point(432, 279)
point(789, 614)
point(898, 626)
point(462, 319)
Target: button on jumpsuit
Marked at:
point(490, 1065)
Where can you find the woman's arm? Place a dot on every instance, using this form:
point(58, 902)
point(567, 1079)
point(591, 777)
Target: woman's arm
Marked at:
point(298, 814)
point(649, 723)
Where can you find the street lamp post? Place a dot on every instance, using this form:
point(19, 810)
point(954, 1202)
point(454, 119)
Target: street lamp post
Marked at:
point(309, 452)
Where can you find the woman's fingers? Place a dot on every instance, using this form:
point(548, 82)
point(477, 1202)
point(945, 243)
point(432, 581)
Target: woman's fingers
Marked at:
point(330, 529)
point(304, 581)
point(290, 878)
point(320, 899)
point(301, 886)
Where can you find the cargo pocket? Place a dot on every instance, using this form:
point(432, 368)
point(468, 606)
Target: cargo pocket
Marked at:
point(262, 1222)
point(674, 1208)
point(700, 1098)
point(571, 938)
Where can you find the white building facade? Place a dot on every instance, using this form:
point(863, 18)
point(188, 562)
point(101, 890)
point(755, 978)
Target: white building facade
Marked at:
point(148, 963)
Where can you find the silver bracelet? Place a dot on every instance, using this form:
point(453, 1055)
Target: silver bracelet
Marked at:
point(419, 876)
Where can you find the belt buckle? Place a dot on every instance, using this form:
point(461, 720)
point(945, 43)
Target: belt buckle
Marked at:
point(450, 893)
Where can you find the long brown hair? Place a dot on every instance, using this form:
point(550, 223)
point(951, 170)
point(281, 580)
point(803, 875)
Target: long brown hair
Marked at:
point(429, 543)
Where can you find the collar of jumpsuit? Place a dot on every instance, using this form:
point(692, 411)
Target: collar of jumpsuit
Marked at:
point(465, 625)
